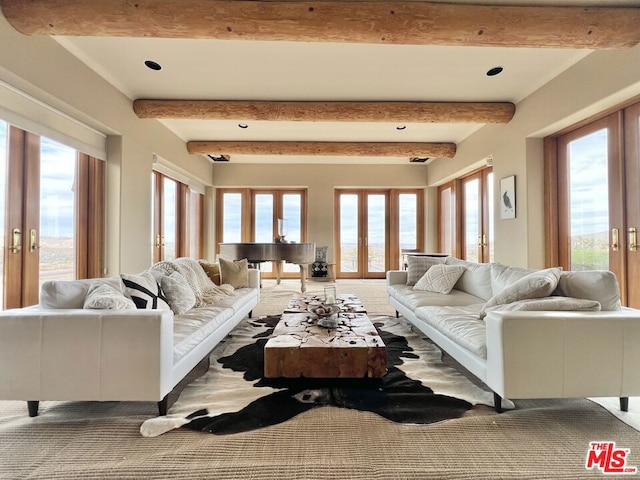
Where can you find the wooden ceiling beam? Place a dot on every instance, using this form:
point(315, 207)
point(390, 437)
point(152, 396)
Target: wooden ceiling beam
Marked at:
point(393, 112)
point(374, 22)
point(342, 149)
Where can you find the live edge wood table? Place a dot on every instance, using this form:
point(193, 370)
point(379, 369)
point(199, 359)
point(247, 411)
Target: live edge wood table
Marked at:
point(301, 348)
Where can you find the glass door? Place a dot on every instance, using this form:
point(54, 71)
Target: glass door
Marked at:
point(632, 156)
point(591, 199)
point(375, 235)
point(373, 229)
point(349, 242)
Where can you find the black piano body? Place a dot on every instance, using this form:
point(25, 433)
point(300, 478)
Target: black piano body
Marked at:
point(301, 254)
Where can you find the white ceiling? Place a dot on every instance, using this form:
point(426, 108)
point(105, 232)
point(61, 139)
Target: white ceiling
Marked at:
point(259, 70)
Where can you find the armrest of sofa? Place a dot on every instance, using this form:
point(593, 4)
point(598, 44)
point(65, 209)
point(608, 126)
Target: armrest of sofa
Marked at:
point(56, 354)
point(254, 278)
point(563, 354)
point(395, 277)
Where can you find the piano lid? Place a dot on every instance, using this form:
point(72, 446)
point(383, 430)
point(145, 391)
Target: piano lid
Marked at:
point(299, 253)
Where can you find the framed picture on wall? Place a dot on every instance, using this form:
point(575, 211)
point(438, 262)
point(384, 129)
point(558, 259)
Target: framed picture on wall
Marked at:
point(508, 197)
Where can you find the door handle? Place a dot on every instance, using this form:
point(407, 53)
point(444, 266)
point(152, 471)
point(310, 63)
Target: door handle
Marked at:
point(633, 239)
point(615, 241)
point(33, 240)
point(16, 240)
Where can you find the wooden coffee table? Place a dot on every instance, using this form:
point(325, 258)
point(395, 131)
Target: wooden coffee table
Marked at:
point(300, 348)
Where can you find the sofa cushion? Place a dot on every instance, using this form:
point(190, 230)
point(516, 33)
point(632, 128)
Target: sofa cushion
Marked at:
point(417, 265)
point(234, 273)
point(192, 327)
point(70, 293)
point(102, 296)
point(145, 291)
point(238, 299)
point(599, 285)
point(440, 278)
point(212, 270)
point(554, 303)
point(504, 275)
point(540, 283)
point(179, 295)
point(476, 279)
point(460, 324)
point(413, 299)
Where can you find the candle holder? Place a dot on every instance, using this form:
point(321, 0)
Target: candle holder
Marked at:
point(330, 295)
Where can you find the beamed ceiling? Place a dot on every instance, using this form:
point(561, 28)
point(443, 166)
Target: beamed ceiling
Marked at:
point(328, 81)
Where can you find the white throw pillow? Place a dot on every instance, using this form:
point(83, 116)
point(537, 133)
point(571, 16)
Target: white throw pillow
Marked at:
point(145, 292)
point(179, 295)
point(538, 284)
point(549, 304)
point(440, 278)
point(102, 296)
point(417, 265)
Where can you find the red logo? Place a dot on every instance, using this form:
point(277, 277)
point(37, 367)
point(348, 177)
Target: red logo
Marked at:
point(609, 459)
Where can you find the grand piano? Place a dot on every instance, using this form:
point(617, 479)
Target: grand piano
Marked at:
point(301, 254)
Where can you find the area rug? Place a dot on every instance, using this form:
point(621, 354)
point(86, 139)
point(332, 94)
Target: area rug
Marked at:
point(233, 396)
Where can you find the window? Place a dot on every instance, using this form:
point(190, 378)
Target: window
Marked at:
point(465, 217)
point(52, 214)
point(251, 215)
point(177, 219)
point(592, 185)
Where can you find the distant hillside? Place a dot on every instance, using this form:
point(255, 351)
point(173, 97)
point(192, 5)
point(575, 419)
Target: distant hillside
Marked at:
point(590, 252)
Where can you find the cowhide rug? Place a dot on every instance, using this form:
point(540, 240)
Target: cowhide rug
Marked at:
point(234, 397)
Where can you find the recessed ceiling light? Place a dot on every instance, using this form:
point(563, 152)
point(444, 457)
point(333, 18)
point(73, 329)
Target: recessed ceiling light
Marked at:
point(243, 125)
point(495, 71)
point(401, 127)
point(153, 65)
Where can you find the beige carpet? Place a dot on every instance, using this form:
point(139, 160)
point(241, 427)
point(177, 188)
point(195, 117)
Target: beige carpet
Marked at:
point(91, 440)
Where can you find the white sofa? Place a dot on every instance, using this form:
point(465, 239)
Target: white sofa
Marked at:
point(519, 350)
point(59, 350)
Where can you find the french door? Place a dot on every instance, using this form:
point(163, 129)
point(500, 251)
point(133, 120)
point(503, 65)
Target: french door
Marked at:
point(477, 217)
point(598, 175)
point(632, 163)
point(466, 206)
point(373, 227)
point(45, 192)
point(253, 215)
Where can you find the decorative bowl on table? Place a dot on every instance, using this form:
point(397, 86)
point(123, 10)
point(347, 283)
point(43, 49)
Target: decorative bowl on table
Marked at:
point(326, 315)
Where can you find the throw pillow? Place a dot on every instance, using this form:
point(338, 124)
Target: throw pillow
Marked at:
point(212, 270)
point(440, 278)
point(417, 265)
point(599, 285)
point(144, 291)
point(476, 278)
point(102, 296)
point(549, 304)
point(235, 273)
point(538, 284)
point(504, 275)
point(179, 295)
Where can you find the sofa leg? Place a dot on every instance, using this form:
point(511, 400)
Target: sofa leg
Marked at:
point(250, 313)
point(624, 404)
point(497, 402)
point(163, 405)
point(32, 406)
point(397, 314)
